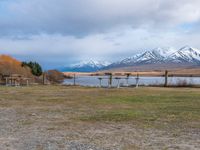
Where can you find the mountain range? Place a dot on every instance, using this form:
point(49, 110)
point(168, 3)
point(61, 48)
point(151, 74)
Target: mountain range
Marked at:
point(85, 66)
point(168, 57)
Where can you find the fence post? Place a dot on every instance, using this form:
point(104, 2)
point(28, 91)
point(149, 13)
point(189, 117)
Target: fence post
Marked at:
point(118, 81)
point(110, 80)
point(137, 80)
point(44, 78)
point(166, 78)
point(100, 82)
point(27, 82)
point(6, 81)
point(127, 78)
point(74, 79)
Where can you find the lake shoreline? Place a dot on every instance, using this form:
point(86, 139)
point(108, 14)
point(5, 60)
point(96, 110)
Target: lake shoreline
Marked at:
point(187, 72)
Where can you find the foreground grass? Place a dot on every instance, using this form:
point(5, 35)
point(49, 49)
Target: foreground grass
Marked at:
point(39, 117)
point(146, 107)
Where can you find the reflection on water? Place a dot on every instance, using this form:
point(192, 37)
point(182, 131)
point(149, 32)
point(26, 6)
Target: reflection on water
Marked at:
point(94, 81)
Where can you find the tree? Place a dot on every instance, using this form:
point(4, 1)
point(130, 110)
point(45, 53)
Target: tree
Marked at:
point(36, 69)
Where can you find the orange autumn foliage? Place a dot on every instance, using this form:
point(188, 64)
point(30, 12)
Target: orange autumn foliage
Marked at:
point(9, 65)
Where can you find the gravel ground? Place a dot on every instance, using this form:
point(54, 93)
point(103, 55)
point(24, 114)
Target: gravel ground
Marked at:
point(16, 133)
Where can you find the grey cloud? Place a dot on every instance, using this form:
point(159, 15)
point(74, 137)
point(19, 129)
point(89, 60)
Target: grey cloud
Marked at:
point(56, 32)
point(83, 17)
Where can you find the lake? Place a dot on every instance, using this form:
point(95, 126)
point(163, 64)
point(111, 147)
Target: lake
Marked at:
point(94, 81)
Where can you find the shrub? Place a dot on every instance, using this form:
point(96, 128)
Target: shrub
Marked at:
point(54, 76)
point(183, 83)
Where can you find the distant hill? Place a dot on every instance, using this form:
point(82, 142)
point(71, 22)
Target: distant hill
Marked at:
point(85, 66)
point(9, 65)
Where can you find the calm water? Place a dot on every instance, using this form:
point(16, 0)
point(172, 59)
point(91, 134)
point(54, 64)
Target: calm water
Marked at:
point(94, 81)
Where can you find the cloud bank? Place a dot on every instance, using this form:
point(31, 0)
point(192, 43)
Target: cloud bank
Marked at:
point(56, 32)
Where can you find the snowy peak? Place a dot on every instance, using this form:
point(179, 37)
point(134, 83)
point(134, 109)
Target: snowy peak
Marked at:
point(159, 55)
point(187, 48)
point(147, 56)
point(186, 54)
point(86, 66)
point(91, 63)
point(130, 59)
point(163, 52)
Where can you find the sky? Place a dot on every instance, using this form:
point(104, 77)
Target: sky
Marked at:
point(57, 33)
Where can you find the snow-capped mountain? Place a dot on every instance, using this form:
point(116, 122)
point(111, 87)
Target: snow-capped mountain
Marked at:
point(185, 55)
point(85, 66)
point(163, 52)
point(91, 63)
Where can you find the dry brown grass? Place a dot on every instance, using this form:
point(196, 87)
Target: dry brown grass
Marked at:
point(143, 118)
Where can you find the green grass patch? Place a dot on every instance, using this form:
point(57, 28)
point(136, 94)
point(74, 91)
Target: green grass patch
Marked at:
point(142, 105)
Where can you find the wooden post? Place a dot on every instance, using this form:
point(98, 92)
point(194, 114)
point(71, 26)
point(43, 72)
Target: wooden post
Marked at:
point(166, 78)
point(27, 82)
point(11, 81)
point(15, 83)
point(74, 79)
point(118, 79)
point(6, 81)
point(100, 82)
point(127, 78)
point(43, 78)
point(137, 80)
point(110, 80)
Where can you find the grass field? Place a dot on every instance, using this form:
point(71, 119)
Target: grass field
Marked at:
point(60, 117)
